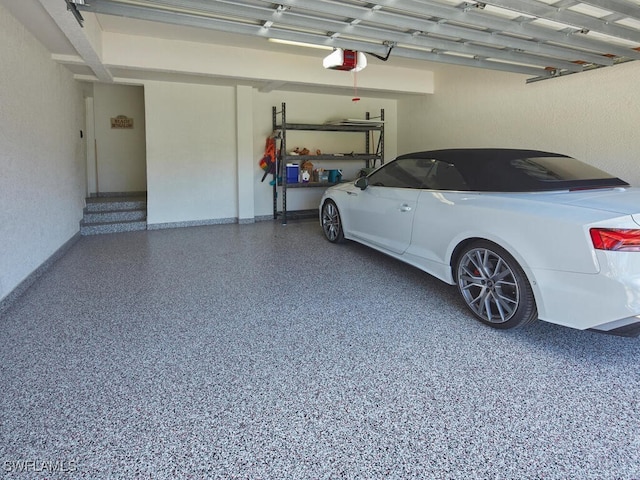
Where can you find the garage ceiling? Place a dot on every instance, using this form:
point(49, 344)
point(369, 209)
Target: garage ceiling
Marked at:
point(539, 38)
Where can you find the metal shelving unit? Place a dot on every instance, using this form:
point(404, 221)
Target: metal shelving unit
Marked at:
point(280, 129)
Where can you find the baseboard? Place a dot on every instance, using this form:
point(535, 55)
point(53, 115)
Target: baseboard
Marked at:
point(216, 221)
point(192, 223)
point(263, 218)
point(24, 285)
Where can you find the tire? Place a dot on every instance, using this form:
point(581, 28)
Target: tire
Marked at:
point(494, 286)
point(331, 222)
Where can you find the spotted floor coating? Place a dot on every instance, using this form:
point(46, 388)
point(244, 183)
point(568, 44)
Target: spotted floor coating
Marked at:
point(264, 352)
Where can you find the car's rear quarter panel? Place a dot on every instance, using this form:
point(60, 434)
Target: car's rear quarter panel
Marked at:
point(538, 234)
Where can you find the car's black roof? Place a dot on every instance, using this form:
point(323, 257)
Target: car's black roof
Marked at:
point(457, 155)
point(519, 170)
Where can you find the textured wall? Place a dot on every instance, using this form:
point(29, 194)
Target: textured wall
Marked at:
point(42, 168)
point(593, 115)
point(191, 152)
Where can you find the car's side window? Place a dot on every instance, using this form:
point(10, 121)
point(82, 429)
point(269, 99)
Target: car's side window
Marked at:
point(445, 176)
point(419, 173)
point(403, 173)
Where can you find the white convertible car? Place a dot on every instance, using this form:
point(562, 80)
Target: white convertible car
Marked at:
point(523, 234)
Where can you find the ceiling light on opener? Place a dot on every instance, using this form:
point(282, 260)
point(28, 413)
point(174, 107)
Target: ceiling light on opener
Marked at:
point(300, 44)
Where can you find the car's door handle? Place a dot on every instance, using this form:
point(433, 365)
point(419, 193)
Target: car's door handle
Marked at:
point(352, 193)
point(405, 208)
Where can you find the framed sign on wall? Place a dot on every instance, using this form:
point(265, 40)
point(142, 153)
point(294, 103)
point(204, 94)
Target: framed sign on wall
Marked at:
point(121, 121)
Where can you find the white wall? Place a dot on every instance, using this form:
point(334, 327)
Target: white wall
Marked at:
point(593, 116)
point(42, 166)
point(199, 137)
point(191, 153)
point(120, 153)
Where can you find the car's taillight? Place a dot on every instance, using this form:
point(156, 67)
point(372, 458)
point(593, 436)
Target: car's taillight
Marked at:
point(618, 239)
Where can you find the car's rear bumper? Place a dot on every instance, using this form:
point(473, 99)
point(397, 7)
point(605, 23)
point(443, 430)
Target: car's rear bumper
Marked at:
point(608, 301)
point(627, 327)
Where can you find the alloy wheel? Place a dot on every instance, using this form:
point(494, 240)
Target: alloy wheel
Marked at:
point(488, 285)
point(331, 222)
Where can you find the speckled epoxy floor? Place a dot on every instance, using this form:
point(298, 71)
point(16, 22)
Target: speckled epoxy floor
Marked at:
point(264, 352)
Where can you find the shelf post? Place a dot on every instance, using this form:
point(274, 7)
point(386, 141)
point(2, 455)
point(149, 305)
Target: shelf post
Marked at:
point(283, 146)
point(381, 140)
point(277, 164)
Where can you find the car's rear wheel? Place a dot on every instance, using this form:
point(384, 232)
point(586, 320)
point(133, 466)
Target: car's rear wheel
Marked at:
point(331, 222)
point(494, 286)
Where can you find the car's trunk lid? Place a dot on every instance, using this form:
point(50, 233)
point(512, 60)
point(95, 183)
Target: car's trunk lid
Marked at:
point(622, 200)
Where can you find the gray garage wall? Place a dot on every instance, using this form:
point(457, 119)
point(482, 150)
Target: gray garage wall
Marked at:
point(42, 166)
point(593, 115)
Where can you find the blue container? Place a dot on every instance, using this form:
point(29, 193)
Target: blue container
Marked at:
point(335, 176)
point(293, 172)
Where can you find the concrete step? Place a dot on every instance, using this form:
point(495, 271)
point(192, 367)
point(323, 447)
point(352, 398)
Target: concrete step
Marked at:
point(115, 204)
point(111, 227)
point(114, 216)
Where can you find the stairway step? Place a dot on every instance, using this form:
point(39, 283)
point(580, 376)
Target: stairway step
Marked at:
point(114, 216)
point(104, 205)
point(111, 227)
point(114, 213)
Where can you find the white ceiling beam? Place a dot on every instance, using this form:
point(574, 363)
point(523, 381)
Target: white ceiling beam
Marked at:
point(67, 59)
point(271, 86)
point(68, 25)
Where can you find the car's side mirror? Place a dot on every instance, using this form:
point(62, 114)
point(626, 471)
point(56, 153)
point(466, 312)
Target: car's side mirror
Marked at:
point(362, 183)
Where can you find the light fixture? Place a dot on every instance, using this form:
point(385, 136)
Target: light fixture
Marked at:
point(346, 60)
point(299, 44)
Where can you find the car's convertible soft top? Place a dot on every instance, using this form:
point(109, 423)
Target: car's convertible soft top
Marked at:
point(512, 170)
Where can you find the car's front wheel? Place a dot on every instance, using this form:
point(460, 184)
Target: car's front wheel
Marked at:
point(331, 223)
point(494, 286)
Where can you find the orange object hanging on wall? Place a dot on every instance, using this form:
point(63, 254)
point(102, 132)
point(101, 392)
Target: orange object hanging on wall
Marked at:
point(268, 161)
